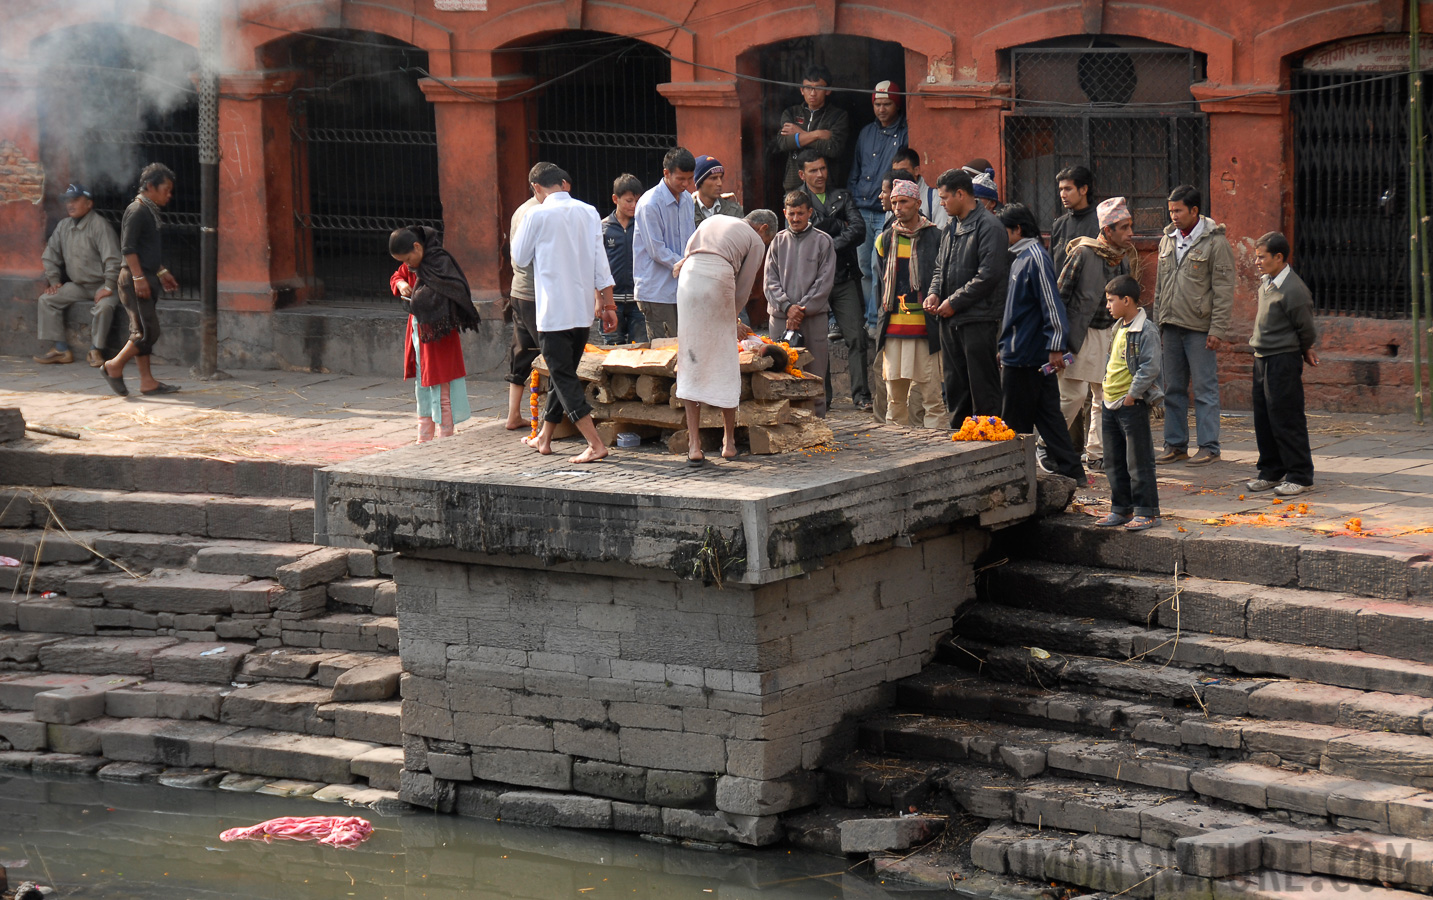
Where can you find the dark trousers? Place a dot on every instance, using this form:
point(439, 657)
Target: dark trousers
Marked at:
point(143, 313)
point(1129, 460)
point(849, 308)
point(1280, 428)
point(631, 324)
point(1031, 404)
point(972, 372)
point(524, 340)
point(563, 351)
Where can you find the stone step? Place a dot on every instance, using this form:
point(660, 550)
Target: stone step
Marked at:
point(161, 658)
point(1365, 567)
point(862, 779)
point(1092, 642)
point(165, 512)
point(1327, 866)
point(1397, 628)
point(117, 469)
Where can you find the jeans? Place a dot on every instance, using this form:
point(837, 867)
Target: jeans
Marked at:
point(1031, 404)
point(631, 324)
point(1189, 363)
point(848, 309)
point(1280, 427)
point(866, 256)
point(1129, 461)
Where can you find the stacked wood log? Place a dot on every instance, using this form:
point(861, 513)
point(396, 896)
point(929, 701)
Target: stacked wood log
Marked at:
point(632, 389)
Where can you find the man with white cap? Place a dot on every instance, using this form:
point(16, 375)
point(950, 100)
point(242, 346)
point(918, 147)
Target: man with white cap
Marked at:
point(707, 194)
point(1090, 264)
point(876, 147)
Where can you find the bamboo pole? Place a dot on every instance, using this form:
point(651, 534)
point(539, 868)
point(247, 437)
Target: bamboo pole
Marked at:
point(1414, 219)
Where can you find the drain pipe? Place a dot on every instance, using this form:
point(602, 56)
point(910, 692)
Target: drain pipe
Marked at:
point(1415, 113)
point(209, 56)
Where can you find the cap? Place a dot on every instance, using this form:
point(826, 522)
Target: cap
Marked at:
point(984, 186)
point(1113, 210)
point(707, 165)
point(77, 190)
point(887, 90)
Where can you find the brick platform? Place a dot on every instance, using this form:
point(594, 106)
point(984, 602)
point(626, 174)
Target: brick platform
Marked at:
point(686, 643)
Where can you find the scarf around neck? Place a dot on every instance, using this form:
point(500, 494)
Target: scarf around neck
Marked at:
point(441, 301)
point(888, 283)
point(152, 207)
point(1069, 277)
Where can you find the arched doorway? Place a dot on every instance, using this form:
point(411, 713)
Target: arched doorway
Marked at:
point(365, 156)
point(1349, 119)
point(597, 113)
point(857, 63)
point(113, 98)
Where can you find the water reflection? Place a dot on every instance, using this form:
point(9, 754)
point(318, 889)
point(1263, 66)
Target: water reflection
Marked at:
point(120, 841)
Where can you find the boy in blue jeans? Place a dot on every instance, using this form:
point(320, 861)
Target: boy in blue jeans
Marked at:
point(1131, 388)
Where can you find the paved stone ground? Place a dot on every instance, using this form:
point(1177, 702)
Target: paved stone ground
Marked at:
point(1375, 468)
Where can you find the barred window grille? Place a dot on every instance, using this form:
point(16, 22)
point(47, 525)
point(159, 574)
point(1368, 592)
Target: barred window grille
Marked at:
point(1125, 112)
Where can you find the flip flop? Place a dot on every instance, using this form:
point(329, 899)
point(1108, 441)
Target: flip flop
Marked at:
point(1141, 523)
point(694, 463)
point(1113, 520)
point(162, 389)
point(116, 384)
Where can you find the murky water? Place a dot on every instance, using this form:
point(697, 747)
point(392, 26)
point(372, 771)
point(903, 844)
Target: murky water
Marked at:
point(120, 841)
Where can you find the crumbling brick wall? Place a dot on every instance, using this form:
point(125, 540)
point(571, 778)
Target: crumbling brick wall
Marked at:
point(21, 178)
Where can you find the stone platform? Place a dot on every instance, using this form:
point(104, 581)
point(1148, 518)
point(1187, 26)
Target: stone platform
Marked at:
point(673, 649)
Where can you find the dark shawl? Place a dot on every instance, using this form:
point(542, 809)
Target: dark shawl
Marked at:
point(441, 302)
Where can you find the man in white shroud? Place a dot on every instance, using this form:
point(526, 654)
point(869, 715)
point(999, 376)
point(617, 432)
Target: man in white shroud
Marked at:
point(723, 259)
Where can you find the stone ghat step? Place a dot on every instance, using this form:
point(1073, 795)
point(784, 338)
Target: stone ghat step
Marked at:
point(1121, 866)
point(1091, 644)
point(1358, 566)
point(54, 464)
point(1396, 628)
point(157, 512)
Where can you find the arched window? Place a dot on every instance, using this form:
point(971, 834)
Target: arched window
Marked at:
point(1120, 106)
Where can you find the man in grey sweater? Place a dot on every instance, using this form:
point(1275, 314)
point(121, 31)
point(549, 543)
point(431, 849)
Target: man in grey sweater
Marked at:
point(1283, 340)
point(800, 269)
point(81, 262)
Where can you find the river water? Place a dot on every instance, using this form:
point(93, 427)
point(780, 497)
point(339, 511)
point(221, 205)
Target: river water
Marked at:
point(90, 838)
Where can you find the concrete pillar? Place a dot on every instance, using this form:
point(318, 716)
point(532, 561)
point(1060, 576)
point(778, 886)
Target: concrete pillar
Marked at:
point(709, 122)
point(482, 170)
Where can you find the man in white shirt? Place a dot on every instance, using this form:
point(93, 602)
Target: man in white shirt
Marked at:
point(562, 240)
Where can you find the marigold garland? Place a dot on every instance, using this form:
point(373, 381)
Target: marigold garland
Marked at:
point(983, 428)
point(532, 400)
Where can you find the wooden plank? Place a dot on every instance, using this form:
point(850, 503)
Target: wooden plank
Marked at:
point(781, 386)
point(642, 362)
point(754, 362)
point(749, 413)
point(654, 388)
point(589, 368)
point(765, 440)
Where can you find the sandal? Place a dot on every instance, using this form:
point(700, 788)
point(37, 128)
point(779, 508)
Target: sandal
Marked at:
point(116, 383)
point(698, 461)
point(1141, 523)
point(1113, 520)
point(162, 389)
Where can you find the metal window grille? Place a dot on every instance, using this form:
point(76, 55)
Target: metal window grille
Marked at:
point(607, 119)
point(1351, 191)
point(104, 117)
point(365, 160)
point(1126, 113)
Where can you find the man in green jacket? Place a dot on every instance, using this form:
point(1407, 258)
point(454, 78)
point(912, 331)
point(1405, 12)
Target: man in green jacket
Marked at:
point(1194, 307)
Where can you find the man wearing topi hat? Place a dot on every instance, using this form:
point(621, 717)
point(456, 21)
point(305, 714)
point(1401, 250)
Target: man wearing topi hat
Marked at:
point(1089, 265)
point(708, 198)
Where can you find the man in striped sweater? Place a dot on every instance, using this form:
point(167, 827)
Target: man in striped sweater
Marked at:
point(1033, 341)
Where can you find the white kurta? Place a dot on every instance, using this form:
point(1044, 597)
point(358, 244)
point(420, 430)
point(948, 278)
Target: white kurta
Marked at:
point(708, 366)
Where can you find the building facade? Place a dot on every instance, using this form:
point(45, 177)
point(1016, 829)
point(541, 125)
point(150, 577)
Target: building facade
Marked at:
point(340, 120)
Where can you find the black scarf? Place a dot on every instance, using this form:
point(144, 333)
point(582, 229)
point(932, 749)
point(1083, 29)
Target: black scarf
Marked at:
point(441, 302)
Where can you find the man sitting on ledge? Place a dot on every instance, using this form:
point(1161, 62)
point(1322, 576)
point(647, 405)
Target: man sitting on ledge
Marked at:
point(81, 262)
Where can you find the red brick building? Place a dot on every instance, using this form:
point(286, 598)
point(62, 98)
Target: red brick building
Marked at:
point(340, 120)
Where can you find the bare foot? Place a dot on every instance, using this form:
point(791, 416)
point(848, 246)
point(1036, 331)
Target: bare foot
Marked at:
point(728, 451)
point(591, 454)
point(538, 444)
point(515, 424)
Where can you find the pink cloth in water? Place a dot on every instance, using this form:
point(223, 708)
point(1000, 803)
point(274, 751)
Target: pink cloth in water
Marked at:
point(336, 831)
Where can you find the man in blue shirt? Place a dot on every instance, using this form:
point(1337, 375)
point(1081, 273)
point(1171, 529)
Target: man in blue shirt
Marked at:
point(665, 220)
point(617, 240)
point(875, 151)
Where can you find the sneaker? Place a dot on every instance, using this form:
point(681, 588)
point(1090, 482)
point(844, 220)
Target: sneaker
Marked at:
point(54, 357)
point(1203, 458)
point(1113, 520)
point(94, 358)
point(1141, 523)
point(1170, 455)
point(834, 335)
point(1096, 465)
point(1259, 485)
point(1289, 489)
point(1043, 463)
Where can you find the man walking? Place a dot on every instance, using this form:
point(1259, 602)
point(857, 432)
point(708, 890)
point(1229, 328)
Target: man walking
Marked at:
point(1194, 308)
point(84, 248)
point(967, 293)
point(1091, 263)
point(562, 240)
point(708, 197)
point(143, 280)
point(1079, 220)
point(1033, 344)
point(836, 214)
point(666, 218)
point(812, 124)
point(876, 148)
point(800, 269)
